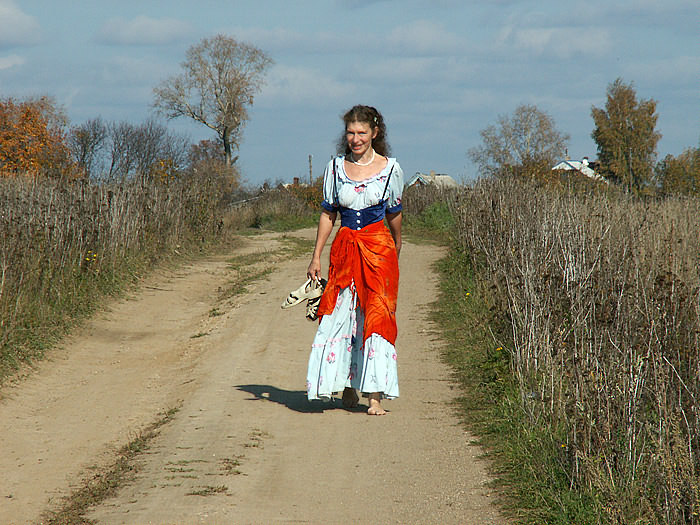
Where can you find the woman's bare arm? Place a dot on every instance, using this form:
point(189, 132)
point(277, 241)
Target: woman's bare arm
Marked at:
point(325, 227)
point(394, 220)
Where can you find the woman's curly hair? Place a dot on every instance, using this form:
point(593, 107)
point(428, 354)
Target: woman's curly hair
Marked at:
point(366, 115)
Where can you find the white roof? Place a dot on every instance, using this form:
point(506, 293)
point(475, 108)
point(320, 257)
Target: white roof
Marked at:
point(580, 166)
point(440, 180)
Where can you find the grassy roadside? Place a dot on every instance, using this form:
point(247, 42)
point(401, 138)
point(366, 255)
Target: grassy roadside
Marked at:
point(66, 246)
point(529, 466)
point(49, 322)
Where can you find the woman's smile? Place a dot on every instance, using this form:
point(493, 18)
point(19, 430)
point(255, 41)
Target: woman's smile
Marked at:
point(359, 136)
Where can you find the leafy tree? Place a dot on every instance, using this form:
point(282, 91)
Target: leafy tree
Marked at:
point(525, 143)
point(681, 174)
point(624, 133)
point(206, 151)
point(32, 138)
point(220, 78)
point(206, 158)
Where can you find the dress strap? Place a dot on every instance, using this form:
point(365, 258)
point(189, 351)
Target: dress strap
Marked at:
point(387, 182)
point(335, 185)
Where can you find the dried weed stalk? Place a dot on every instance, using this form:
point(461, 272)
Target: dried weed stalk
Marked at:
point(61, 242)
point(602, 295)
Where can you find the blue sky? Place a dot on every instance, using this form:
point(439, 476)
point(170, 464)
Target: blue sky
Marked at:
point(440, 71)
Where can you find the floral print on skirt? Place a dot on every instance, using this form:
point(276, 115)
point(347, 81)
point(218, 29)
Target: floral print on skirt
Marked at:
point(339, 359)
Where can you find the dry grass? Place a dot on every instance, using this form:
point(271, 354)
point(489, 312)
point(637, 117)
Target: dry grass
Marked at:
point(279, 209)
point(600, 292)
point(62, 245)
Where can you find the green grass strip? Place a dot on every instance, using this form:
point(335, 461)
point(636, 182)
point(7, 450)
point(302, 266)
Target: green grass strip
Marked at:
point(107, 482)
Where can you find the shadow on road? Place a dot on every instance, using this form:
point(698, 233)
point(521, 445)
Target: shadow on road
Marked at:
point(292, 399)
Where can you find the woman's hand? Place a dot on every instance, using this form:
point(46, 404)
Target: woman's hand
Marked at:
point(314, 271)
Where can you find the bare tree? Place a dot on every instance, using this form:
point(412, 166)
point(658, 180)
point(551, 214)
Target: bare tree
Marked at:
point(220, 78)
point(139, 149)
point(624, 133)
point(121, 153)
point(86, 143)
point(525, 143)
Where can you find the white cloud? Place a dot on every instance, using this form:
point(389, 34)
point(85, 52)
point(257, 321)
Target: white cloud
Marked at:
point(132, 71)
point(142, 30)
point(414, 71)
point(303, 85)
point(419, 38)
point(424, 37)
point(11, 61)
point(646, 8)
point(677, 71)
point(16, 27)
point(283, 41)
point(560, 42)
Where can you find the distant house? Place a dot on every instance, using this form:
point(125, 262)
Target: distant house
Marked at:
point(296, 181)
point(436, 179)
point(581, 166)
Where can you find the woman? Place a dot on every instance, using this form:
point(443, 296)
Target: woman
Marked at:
point(354, 345)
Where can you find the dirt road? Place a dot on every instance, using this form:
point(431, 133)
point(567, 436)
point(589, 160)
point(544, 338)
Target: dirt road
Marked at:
point(245, 446)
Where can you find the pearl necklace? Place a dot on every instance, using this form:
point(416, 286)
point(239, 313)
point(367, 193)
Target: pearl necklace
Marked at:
point(362, 163)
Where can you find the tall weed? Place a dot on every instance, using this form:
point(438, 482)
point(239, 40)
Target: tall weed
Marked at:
point(427, 213)
point(63, 244)
point(279, 209)
point(600, 292)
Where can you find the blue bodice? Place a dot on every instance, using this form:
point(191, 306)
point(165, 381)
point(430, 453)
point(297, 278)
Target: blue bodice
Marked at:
point(358, 219)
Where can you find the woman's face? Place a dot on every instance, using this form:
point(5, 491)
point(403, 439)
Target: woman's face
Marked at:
point(359, 136)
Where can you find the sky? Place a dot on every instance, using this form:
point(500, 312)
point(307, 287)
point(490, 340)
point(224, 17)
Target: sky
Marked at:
point(439, 71)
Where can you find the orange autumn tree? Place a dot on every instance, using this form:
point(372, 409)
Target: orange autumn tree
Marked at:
point(32, 139)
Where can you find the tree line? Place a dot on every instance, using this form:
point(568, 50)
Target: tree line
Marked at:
point(528, 143)
point(219, 81)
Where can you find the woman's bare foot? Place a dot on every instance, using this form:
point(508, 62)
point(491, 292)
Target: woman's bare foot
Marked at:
point(375, 406)
point(350, 398)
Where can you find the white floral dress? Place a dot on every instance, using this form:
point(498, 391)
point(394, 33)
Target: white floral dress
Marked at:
point(338, 358)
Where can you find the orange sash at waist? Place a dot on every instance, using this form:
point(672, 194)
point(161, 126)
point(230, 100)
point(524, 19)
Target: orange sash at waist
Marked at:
point(368, 258)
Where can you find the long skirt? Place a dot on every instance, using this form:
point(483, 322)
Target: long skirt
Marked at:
point(339, 359)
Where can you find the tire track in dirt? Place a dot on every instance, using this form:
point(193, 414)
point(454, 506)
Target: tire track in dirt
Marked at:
point(245, 445)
